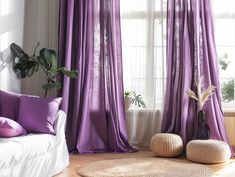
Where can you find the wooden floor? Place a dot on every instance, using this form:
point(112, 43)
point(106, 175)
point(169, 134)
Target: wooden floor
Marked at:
point(76, 160)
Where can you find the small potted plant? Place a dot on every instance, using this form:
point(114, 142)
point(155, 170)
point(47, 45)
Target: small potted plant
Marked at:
point(131, 97)
point(201, 97)
point(25, 65)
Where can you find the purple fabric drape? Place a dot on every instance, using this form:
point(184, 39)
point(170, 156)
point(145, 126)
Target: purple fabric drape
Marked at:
point(191, 53)
point(90, 41)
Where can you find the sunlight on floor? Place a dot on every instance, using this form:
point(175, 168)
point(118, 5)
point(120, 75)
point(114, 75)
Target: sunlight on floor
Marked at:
point(228, 170)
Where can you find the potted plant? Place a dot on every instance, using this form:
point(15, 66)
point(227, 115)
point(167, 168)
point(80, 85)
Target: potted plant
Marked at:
point(25, 65)
point(131, 97)
point(201, 97)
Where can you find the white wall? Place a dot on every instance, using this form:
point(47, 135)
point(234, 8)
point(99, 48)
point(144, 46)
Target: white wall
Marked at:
point(26, 22)
point(41, 24)
point(11, 30)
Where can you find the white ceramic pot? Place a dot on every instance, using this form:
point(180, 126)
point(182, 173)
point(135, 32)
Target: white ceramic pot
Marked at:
point(127, 103)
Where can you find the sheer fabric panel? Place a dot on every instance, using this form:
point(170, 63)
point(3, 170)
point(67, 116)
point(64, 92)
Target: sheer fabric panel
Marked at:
point(143, 45)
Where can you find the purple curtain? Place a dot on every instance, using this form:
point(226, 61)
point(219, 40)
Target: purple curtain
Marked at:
point(90, 41)
point(191, 53)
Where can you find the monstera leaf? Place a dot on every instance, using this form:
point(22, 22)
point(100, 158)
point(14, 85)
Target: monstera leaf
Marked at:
point(25, 65)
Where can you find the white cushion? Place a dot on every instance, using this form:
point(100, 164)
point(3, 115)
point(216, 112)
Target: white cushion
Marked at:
point(208, 151)
point(37, 155)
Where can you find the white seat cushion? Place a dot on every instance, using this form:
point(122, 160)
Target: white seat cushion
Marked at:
point(37, 155)
point(208, 151)
point(17, 149)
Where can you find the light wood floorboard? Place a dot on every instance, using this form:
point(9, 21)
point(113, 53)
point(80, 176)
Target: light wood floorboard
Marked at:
point(76, 160)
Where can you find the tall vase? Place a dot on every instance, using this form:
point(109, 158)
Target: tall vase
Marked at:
point(203, 128)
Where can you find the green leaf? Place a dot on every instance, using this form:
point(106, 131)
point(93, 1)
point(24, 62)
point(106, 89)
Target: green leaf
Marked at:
point(70, 74)
point(50, 86)
point(16, 51)
point(36, 47)
point(53, 60)
point(33, 70)
point(137, 100)
point(48, 59)
point(25, 67)
point(127, 94)
point(43, 60)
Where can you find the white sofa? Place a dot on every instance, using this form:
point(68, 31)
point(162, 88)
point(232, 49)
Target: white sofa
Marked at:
point(35, 155)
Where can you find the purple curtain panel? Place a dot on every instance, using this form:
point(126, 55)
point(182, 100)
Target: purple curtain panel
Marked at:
point(191, 53)
point(90, 41)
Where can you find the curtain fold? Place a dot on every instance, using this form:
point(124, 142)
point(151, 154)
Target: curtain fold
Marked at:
point(191, 53)
point(90, 41)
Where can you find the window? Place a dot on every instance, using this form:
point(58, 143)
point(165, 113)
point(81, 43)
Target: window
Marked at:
point(144, 48)
point(144, 45)
point(224, 18)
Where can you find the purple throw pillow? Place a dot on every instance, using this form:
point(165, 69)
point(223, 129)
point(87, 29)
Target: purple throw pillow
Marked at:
point(9, 104)
point(10, 128)
point(37, 115)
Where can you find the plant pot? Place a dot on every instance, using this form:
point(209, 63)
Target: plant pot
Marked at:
point(203, 128)
point(127, 101)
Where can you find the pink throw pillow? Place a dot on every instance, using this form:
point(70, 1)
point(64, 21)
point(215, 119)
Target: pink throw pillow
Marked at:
point(10, 128)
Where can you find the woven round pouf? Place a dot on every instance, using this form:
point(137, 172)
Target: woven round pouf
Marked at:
point(208, 151)
point(166, 145)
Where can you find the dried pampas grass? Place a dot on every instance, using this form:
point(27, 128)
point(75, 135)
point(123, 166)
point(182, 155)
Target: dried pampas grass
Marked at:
point(202, 96)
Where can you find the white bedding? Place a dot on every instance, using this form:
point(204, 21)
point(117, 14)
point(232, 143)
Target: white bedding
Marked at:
point(34, 155)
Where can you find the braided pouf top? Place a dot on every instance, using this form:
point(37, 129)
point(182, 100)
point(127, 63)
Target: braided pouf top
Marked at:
point(208, 151)
point(166, 145)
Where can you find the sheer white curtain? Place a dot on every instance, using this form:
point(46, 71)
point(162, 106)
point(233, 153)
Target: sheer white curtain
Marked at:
point(143, 45)
point(224, 20)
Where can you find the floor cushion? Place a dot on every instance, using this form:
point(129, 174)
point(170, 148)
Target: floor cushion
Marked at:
point(208, 151)
point(166, 145)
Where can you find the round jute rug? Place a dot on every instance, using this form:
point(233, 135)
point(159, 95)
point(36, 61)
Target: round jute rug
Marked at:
point(144, 167)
